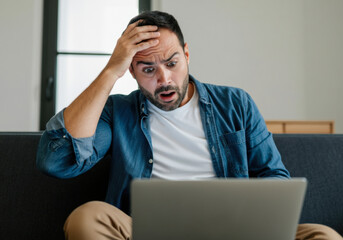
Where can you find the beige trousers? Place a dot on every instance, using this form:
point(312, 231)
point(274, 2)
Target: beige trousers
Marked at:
point(100, 221)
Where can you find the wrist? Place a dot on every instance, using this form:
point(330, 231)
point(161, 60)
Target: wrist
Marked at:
point(111, 72)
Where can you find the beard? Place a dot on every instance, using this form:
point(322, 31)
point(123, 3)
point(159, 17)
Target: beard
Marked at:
point(154, 98)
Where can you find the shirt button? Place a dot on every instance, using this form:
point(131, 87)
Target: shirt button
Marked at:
point(64, 136)
point(150, 161)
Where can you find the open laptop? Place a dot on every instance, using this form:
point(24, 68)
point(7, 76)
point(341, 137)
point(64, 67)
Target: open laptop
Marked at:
point(267, 209)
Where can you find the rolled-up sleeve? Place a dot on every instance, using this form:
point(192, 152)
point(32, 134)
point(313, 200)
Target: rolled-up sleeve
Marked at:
point(263, 157)
point(63, 156)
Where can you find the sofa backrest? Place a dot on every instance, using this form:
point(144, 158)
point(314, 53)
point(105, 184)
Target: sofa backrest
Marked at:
point(319, 158)
point(35, 206)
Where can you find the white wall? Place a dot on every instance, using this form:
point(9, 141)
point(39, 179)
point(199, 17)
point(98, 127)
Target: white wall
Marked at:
point(286, 53)
point(20, 64)
point(323, 60)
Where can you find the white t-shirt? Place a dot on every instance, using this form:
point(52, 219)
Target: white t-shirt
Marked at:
point(180, 148)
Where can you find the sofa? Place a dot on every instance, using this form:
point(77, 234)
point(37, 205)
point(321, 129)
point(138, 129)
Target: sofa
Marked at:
point(35, 206)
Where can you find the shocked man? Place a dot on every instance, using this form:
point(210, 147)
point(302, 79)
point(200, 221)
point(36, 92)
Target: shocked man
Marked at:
point(174, 127)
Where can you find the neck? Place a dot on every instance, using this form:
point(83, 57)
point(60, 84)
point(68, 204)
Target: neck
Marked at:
point(189, 94)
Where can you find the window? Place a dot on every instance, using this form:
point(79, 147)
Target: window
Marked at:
point(79, 37)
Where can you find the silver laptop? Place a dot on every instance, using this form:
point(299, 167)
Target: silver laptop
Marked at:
point(216, 209)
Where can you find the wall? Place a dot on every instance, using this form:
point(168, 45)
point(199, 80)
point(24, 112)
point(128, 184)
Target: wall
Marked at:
point(286, 53)
point(20, 64)
point(323, 61)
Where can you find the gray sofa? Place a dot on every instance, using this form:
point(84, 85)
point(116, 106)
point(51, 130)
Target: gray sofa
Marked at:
point(35, 206)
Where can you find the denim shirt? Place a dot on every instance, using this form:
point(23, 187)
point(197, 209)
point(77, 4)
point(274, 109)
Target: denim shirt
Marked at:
point(239, 142)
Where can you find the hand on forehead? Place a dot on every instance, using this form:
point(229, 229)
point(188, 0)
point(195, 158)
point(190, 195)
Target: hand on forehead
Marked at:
point(168, 44)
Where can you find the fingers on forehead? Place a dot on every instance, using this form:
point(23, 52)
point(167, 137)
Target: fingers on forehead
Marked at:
point(139, 24)
point(135, 28)
point(131, 26)
point(147, 28)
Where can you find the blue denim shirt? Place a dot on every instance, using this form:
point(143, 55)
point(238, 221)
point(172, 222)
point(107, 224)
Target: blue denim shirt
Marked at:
point(239, 142)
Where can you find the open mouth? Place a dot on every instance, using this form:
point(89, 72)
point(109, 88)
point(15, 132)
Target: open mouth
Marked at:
point(167, 96)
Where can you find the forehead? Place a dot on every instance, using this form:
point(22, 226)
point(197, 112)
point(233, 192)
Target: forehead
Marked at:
point(168, 45)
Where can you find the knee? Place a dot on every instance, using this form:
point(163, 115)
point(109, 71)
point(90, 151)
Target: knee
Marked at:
point(319, 231)
point(83, 212)
point(325, 231)
point(82, 219)
point(94, 220)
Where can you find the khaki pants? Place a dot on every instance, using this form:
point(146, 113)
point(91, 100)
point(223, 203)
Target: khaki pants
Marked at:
point(100, 221)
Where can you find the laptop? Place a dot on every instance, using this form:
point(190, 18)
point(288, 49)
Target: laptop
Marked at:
point(241, 209)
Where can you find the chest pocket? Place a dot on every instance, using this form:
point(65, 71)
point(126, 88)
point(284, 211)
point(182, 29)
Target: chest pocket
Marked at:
point(235, 151)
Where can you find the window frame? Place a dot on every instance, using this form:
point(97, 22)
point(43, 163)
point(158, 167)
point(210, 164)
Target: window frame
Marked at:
point(49, 58)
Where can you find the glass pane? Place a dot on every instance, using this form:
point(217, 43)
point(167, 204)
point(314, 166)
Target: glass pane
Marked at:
point(75, 74)
point(93, 26)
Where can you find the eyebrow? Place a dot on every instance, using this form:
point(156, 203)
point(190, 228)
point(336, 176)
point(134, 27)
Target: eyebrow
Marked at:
point(152, 63)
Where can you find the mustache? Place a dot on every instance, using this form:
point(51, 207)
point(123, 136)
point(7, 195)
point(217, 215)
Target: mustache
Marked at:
point(165, 88)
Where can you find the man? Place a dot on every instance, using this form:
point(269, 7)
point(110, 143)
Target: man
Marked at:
point(173, 127)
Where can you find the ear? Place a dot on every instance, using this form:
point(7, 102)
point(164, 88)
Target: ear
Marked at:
point(132, 72)
point(186, 51)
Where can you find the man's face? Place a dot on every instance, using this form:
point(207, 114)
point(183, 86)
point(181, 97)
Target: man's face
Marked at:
point(162, 72)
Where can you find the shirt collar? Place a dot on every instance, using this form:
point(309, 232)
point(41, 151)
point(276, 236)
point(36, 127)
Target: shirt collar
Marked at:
point(203, 94)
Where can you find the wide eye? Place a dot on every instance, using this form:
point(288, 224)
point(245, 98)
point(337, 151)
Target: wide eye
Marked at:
point(148, 70)
point(171, 64)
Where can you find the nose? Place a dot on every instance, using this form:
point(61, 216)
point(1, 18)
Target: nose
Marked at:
point(164, 77)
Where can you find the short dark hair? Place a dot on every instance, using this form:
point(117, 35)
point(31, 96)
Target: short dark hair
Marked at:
point(161, 20)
